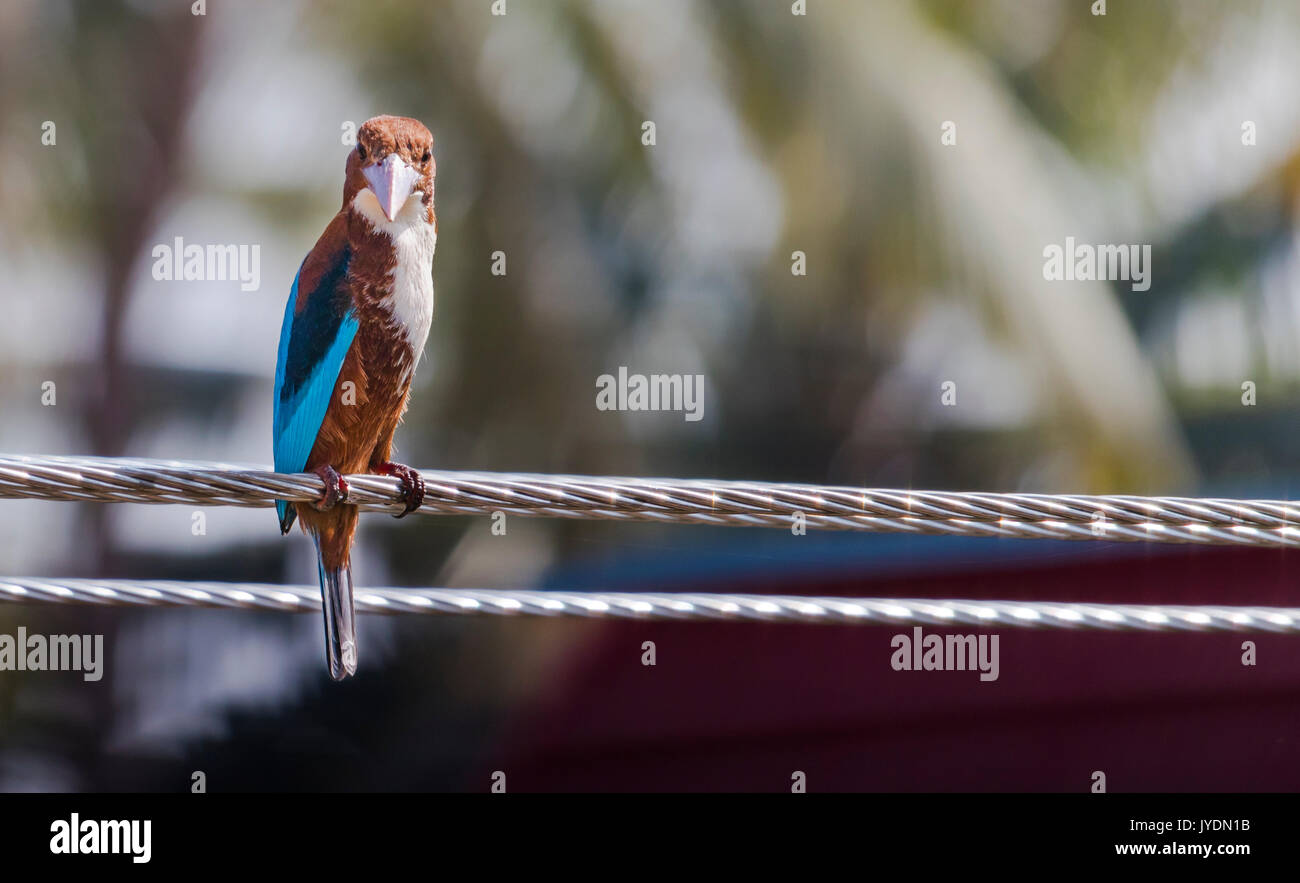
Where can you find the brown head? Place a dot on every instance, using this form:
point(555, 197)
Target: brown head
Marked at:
point(393, 164)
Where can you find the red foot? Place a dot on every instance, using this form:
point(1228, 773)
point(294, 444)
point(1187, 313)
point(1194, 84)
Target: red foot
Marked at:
point(412, 485)
point(336, 488)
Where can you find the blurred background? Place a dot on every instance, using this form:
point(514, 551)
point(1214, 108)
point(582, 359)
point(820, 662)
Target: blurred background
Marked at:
point(774, 133)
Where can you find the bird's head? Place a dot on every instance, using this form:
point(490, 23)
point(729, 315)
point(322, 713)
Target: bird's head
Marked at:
point(393, 165)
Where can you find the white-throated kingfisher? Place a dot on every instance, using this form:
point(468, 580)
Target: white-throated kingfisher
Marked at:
point(355, 326)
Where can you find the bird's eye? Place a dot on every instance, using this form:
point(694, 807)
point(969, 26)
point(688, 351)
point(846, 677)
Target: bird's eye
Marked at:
point(361, 152)
point(426, 156)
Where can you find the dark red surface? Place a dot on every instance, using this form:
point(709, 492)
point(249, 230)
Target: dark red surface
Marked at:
point(741, 706)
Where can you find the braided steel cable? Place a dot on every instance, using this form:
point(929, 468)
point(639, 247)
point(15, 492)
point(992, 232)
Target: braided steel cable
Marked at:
point(1266, 523)
point(657, 606)
point(1165, 519)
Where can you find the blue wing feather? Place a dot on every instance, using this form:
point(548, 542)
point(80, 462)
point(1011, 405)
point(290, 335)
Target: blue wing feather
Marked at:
point(313, 344)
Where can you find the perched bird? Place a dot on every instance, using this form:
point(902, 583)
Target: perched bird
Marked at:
point(355, 326)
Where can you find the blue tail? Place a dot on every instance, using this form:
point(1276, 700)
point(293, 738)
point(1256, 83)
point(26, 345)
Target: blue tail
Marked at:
point(340, 616)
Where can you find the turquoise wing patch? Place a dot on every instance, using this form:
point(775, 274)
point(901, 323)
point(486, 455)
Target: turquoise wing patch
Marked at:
point(313, 345)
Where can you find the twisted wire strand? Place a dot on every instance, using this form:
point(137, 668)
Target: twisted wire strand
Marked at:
point(1267, 523)
point(656, 606)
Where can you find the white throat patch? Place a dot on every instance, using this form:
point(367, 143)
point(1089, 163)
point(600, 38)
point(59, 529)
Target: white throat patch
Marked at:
point(411, 301)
